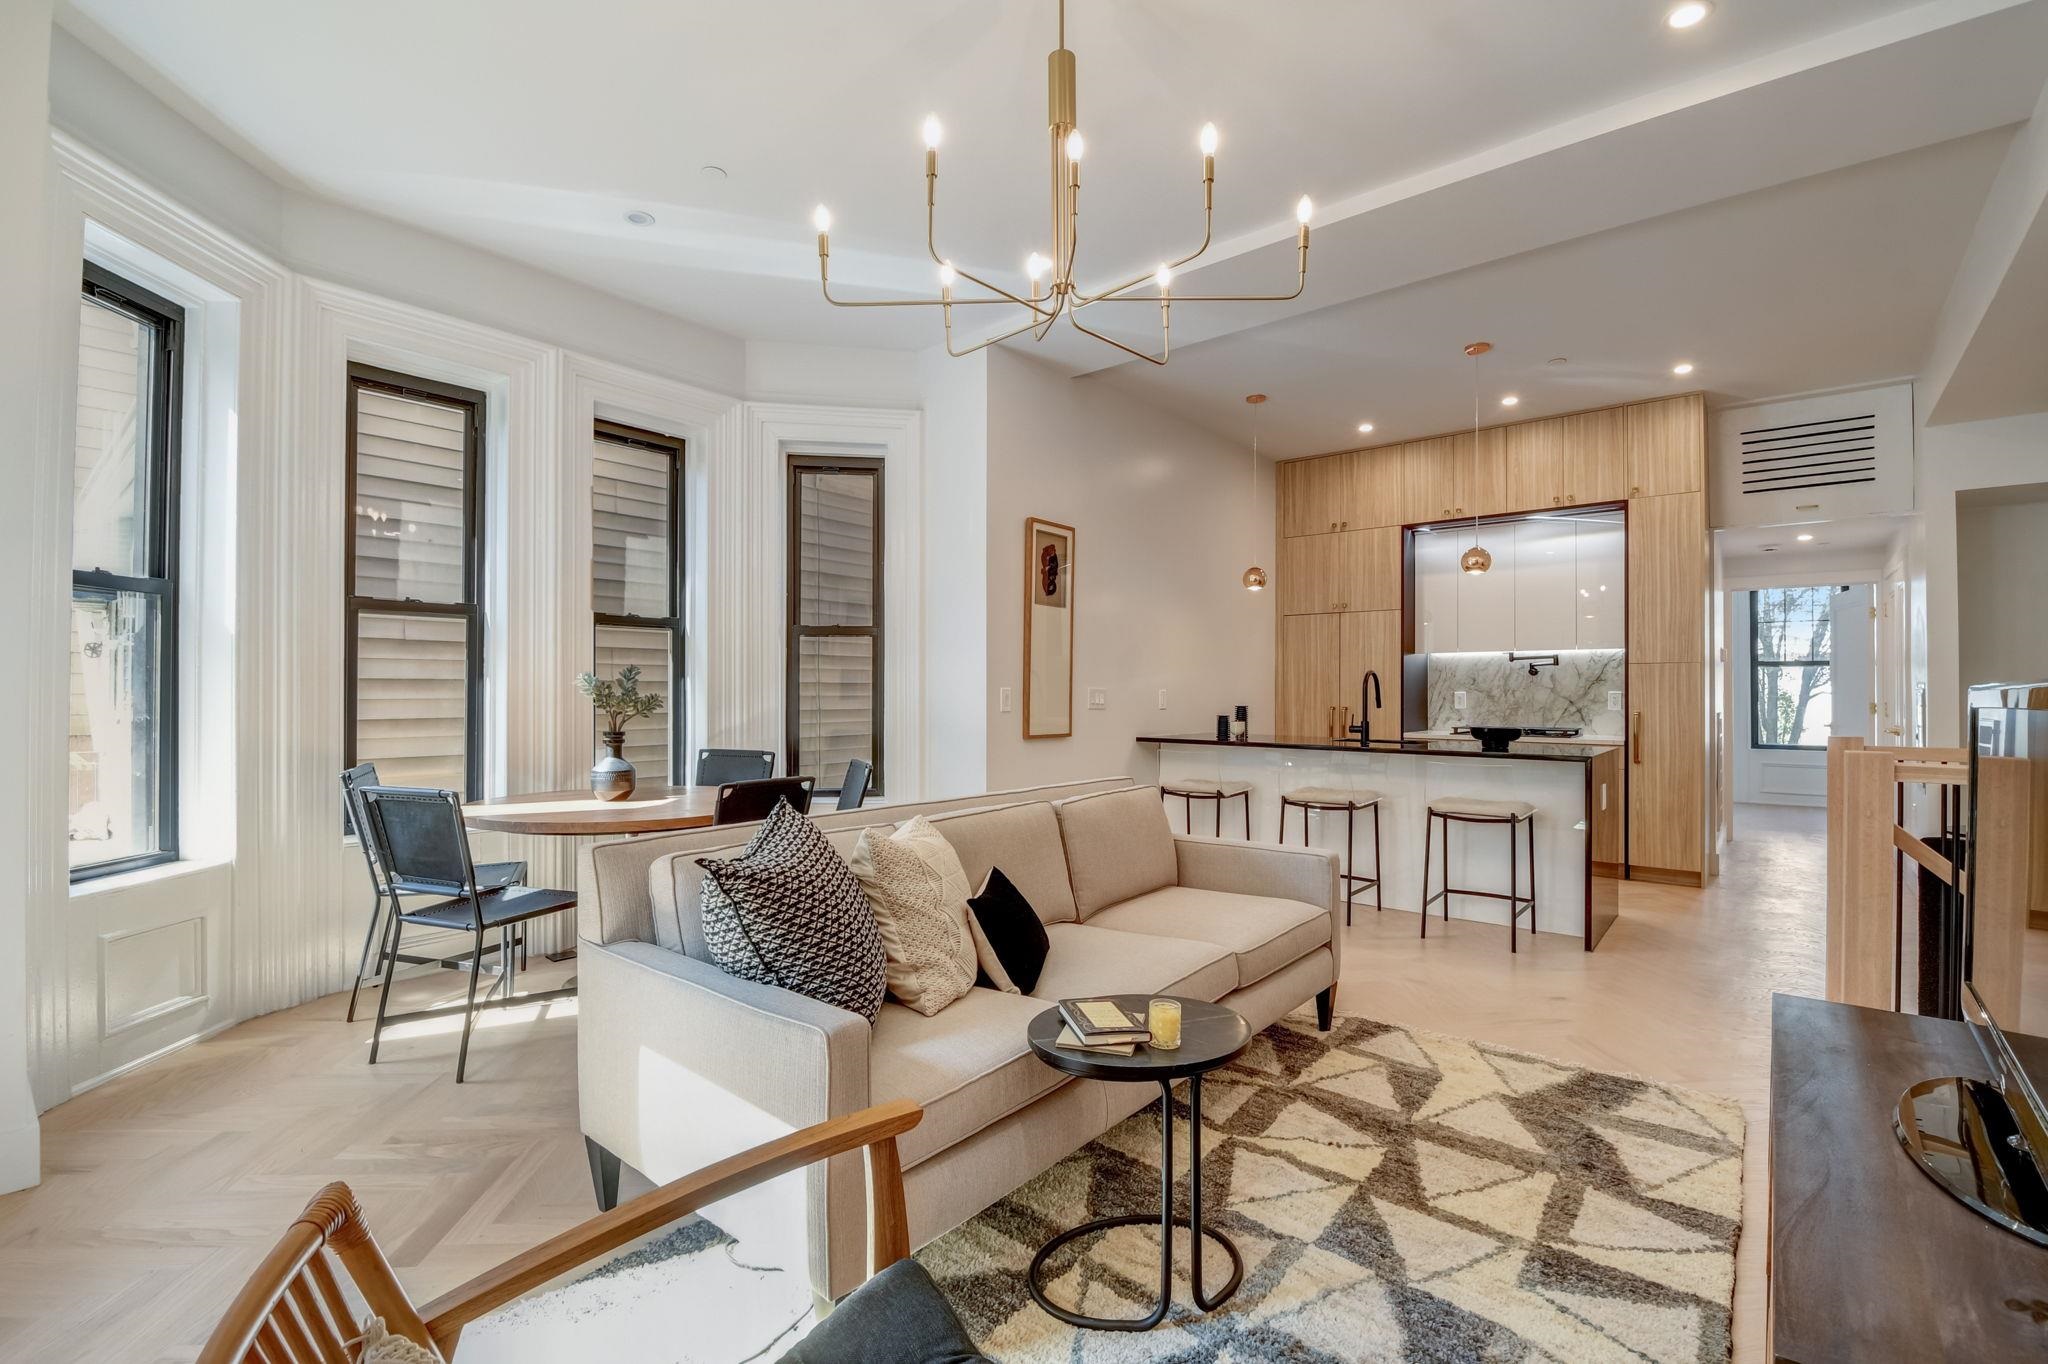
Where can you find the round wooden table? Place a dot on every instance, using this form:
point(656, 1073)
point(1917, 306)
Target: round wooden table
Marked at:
point(649, 810)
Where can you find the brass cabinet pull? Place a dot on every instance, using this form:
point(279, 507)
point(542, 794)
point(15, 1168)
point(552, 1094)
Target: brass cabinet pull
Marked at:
point(1635, 739)
point(1330, 723)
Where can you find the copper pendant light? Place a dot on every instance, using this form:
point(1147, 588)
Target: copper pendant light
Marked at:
point(1255, 577)
point(1476, 560)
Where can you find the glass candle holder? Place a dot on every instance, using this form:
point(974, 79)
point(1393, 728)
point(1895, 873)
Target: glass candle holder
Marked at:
point(1163, 1018)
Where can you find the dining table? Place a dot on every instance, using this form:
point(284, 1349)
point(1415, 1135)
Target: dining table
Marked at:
point(649, 810)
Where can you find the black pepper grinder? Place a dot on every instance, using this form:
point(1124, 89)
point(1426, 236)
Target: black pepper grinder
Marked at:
point(1223, 727)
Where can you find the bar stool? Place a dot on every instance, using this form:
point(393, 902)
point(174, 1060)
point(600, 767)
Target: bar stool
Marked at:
point(1331, 798)
point(1218, 793)
point(1472, 810)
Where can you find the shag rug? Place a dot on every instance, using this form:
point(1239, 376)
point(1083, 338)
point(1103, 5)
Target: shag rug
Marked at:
point(1396, 1195)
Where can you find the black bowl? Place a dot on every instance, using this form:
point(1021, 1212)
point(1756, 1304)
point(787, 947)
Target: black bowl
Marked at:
point(1495, 738)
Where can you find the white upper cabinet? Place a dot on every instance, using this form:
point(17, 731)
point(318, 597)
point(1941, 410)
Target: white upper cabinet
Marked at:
point(1545, 578)
point(1601, 604)
point(1486, 601)
point(1436, 591)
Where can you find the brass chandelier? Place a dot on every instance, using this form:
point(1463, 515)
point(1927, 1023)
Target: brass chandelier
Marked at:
point(1051, 280)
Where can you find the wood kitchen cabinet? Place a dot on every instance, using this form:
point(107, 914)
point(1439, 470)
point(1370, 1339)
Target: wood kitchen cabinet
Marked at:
point(1372, 482)
point(1536, 464)
point(1428, 480)
point(1596, 446)
point(1350, 570)
point(1667, 579)
point(1667, 446)
point(1479, 483)
point(1323, 660)
point(1297, 489)
point(1667, 768)
point(1369, 640)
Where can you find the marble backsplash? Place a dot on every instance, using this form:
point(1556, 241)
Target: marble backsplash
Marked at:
point(1571, 695)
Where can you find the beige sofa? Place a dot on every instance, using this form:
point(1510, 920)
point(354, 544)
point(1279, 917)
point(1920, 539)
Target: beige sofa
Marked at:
point(680, 1064)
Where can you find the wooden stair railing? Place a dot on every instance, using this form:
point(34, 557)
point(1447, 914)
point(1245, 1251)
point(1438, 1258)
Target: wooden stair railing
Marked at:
point(293, 1310)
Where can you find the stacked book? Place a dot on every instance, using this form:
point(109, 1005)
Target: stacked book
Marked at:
point(1100, 1025)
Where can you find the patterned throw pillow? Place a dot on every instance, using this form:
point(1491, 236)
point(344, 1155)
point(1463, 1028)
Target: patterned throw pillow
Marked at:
point(918, 890)
point(787, 911)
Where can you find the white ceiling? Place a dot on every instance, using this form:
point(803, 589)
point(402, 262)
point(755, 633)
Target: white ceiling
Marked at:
point(1858, 544)
point(1463, 154)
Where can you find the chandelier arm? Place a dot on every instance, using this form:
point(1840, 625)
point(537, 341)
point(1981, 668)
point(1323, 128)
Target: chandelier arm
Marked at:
point(1216, 298)
point(1058, 306)
point(931, 246)
point(1208, 231)
point(1086, 330)
point(984, 345)
point(826, 286)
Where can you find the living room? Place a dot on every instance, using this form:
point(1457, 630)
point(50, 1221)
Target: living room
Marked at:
point(627, 751)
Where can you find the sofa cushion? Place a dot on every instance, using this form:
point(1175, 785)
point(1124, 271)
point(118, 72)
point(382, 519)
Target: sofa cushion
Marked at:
point(968, 1065)
point(1024, 840)
point(897, 1317)
point(1089, 960)
point(676, 886)
point(787, 911)
point(919, 894)
point(1119, 845)
point(1263, 934)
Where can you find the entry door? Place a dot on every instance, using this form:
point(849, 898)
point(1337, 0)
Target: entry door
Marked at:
point(1893, 715)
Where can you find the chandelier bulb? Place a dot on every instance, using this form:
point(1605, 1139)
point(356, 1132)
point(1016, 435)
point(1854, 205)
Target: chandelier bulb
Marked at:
point(1304, 210)
point(821, 218)
point(1035, 266)
point(1164, 275)
point(932, 132)
point(1208, 139)
point(1076, 144)
point(947, 274)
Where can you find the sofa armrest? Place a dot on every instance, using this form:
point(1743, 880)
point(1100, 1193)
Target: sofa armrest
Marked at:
point(679, 1065)
point(1270, 869)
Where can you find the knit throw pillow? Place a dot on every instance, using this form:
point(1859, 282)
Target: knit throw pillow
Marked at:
point(787, 911)
point(918, 890)
point(387, 1347)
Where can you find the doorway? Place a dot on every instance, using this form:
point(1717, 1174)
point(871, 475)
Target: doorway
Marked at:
point(1803, 662)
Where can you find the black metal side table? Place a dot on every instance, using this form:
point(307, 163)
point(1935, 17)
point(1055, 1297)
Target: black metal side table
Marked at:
point(1210, 1036)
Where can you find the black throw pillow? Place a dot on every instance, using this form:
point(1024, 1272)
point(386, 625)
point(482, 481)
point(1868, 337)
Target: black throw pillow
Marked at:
point(1009, 941)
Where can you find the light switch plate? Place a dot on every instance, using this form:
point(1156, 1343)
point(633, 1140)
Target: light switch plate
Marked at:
point(1098, 699)
point(1614, 700)
point(1162, 698)
point(1458, 699)
point(1003, 699)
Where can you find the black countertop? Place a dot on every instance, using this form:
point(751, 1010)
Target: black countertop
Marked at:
point(1551, 750)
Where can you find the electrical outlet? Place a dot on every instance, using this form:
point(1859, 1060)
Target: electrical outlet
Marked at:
point(1003, 699)
point(1614, 700)
point(1098, 699)
point(1458, 700)
point(1162, 698)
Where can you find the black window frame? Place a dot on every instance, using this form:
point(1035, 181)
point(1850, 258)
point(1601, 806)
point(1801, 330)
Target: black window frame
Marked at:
point(469, 609)
point(795, 632)
point(678, 708)
point(1757, 664)
point(166, 321)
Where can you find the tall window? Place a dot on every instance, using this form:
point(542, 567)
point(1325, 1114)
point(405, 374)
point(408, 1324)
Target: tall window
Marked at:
point(636, 581)
point(1791, 672)
point(414, 573)
point(835, 617)
point(124, 591)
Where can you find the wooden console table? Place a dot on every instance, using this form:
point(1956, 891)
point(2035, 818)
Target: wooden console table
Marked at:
point(1870, 1260)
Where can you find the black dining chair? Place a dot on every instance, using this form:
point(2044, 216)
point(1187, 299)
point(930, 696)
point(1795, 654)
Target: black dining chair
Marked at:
point(424, 849)
point(853, 787)
point(717, 766)
point(490, 875)
point(742, 802)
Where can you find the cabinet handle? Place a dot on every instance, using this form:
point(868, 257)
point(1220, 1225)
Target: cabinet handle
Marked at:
point(1556, 501)
point(1345, 524)
point(1333, 525)
point(1635, 739)
point(1635, 492)
point(1330, 723)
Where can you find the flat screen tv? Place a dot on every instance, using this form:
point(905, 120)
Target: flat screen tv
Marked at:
point(1985, 1139)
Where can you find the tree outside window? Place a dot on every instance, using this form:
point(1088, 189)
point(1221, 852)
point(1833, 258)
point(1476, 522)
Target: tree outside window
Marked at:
point(1791, 667)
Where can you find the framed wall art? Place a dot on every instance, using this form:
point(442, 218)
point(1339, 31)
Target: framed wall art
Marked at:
point(1048, 629)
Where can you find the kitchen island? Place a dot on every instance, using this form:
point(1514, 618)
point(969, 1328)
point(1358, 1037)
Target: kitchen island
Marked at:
point(1577, 803)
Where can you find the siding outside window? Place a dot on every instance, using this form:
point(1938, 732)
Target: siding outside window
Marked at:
point(415, 554)
point(835, 618)
point(636, 582)
point(123, 768)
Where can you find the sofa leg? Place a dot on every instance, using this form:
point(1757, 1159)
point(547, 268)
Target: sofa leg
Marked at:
point(1326, 1008)
point(604, 1175)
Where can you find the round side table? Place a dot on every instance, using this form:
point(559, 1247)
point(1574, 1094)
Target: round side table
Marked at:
point(1210, 1036)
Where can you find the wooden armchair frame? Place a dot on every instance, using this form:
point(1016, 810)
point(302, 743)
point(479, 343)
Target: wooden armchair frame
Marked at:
point(293, 1311)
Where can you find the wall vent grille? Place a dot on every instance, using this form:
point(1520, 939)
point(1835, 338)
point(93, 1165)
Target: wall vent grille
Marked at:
point(1814, 454)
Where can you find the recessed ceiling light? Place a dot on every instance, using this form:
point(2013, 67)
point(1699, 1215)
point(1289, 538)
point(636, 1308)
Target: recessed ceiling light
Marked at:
point(1365, 428)
point(1509, 401)
point(640, 217)
point(1802, 538)
point(1688, 14)
point(1682, 367)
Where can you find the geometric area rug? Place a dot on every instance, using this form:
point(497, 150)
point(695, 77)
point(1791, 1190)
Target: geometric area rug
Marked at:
point(1396, 1195)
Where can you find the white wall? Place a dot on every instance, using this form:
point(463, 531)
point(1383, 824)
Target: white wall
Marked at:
point(24, 413)
point(2001, 566)
point(1165, 524)
point(788, 371)
point(956, 519)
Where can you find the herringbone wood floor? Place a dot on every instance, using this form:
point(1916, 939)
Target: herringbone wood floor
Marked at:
point(161, 1189)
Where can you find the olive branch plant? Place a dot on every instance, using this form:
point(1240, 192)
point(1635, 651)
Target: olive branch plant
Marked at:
point(618, 699)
